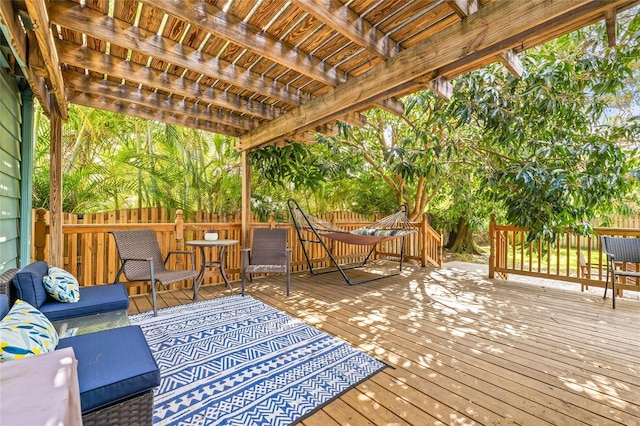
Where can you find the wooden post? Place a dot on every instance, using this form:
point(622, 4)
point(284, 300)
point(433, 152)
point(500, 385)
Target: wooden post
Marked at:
point(441, 247)
point(179, 222)
point(246, 201)
point(492, 245)
point(179, 230)
point(55, 188)
point(425, 241)
point(40, 237)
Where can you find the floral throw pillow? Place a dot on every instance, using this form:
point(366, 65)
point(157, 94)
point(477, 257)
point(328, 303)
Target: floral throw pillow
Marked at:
point(61, 285)
point(25, 331)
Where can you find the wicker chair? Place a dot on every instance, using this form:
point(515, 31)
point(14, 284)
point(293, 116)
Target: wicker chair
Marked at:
point(620, 251)
point(268, 254)
point(142, 261)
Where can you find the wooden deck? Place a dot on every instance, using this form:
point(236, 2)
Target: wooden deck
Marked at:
point(465, 349)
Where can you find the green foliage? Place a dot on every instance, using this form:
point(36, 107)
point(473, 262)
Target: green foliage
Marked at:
point(555, 161)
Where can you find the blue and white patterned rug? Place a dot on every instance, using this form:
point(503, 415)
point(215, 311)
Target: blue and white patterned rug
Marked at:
point(237, 361)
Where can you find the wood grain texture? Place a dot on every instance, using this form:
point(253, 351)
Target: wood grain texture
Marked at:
point(465, 349)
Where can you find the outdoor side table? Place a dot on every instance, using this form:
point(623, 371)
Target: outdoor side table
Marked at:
point(219, 263)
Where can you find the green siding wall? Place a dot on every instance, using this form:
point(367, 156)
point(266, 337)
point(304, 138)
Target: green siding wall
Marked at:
point(10, 130)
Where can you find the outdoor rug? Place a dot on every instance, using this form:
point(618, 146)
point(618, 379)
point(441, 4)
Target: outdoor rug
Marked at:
point(237, 361)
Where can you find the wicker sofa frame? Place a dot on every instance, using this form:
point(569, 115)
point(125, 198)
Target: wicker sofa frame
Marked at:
point(136, 410)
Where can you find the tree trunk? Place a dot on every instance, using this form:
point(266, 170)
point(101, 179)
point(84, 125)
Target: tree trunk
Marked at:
point(461, 239)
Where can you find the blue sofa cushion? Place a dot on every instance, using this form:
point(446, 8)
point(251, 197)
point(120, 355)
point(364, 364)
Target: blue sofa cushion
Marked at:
point(4, 305)
point(27, 283)
point(113, 365)
point(93, 300)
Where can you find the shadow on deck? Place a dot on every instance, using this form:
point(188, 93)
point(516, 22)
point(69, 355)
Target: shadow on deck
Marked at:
point(466, 349)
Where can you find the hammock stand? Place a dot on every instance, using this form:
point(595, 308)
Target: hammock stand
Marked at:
point(388, 228)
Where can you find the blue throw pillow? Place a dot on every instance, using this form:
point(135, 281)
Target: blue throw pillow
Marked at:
point(28, 283)
point(61, 285)
point(24, 331)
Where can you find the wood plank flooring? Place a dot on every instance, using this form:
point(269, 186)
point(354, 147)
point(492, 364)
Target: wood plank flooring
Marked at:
point(464, 349)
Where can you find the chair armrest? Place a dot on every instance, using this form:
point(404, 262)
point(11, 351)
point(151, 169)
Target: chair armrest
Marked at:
point(189, 252)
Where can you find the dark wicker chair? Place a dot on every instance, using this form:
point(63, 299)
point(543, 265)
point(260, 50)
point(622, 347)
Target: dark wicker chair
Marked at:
point(268, 254)
point(620, 251)
point(142, 261)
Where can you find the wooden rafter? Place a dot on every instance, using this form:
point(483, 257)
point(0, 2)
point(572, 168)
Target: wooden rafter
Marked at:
point(442, 87)
point(123, 34)
point(511, 61)
point(610, 22)
point(358, 31)
point(343, 20)
point(121, 69)
point(153, 100)
point(464, 8)
point(11, 25)
point(492, 30)
point(42, 29)
point(108, 104)
point(228, 27)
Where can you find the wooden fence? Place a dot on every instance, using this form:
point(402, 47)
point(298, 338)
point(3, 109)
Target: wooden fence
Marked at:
point(572, 258)
point(89, 252)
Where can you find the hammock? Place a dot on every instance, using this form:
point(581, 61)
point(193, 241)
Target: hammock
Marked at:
point(388, 228)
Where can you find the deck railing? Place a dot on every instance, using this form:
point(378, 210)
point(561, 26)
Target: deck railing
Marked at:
point(572, 258)
point(89, 252)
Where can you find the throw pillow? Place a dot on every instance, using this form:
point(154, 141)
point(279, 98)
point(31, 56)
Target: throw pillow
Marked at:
point(27, 283)
point(25, 331)
point(61, 285)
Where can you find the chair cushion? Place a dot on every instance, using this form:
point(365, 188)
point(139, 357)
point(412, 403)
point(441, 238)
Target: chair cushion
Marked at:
point(113, 365)
point(28, 283)
point(24, 331)
point(61, 285)
point(93, 300)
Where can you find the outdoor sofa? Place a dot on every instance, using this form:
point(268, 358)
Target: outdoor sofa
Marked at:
point(116, 370)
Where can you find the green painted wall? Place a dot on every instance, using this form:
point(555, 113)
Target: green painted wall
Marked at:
point(10, 190)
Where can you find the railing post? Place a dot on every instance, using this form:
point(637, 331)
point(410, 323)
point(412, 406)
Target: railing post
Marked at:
point(425, 241)
point(179, 222)
point(179, 230)
point(492, 245)
point(441, 247)
point(272, 222)
point(40, 233)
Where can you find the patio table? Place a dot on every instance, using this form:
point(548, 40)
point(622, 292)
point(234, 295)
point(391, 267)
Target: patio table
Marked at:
point(91, 323)
point(218, 263)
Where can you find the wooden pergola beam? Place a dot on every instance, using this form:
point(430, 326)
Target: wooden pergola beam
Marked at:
point(441, 87)
point(359, 31)
point(228, 27)
point(464, 8)
point(473, 38)
point(152, 100)
point(511, 62)
point(109, 104)
point(121, 69)
point(123, 34)
point(42, 29)
point(611, 24)
point(13, 30)
point(345, 21)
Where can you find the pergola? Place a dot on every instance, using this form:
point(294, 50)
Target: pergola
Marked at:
point(265, 71)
